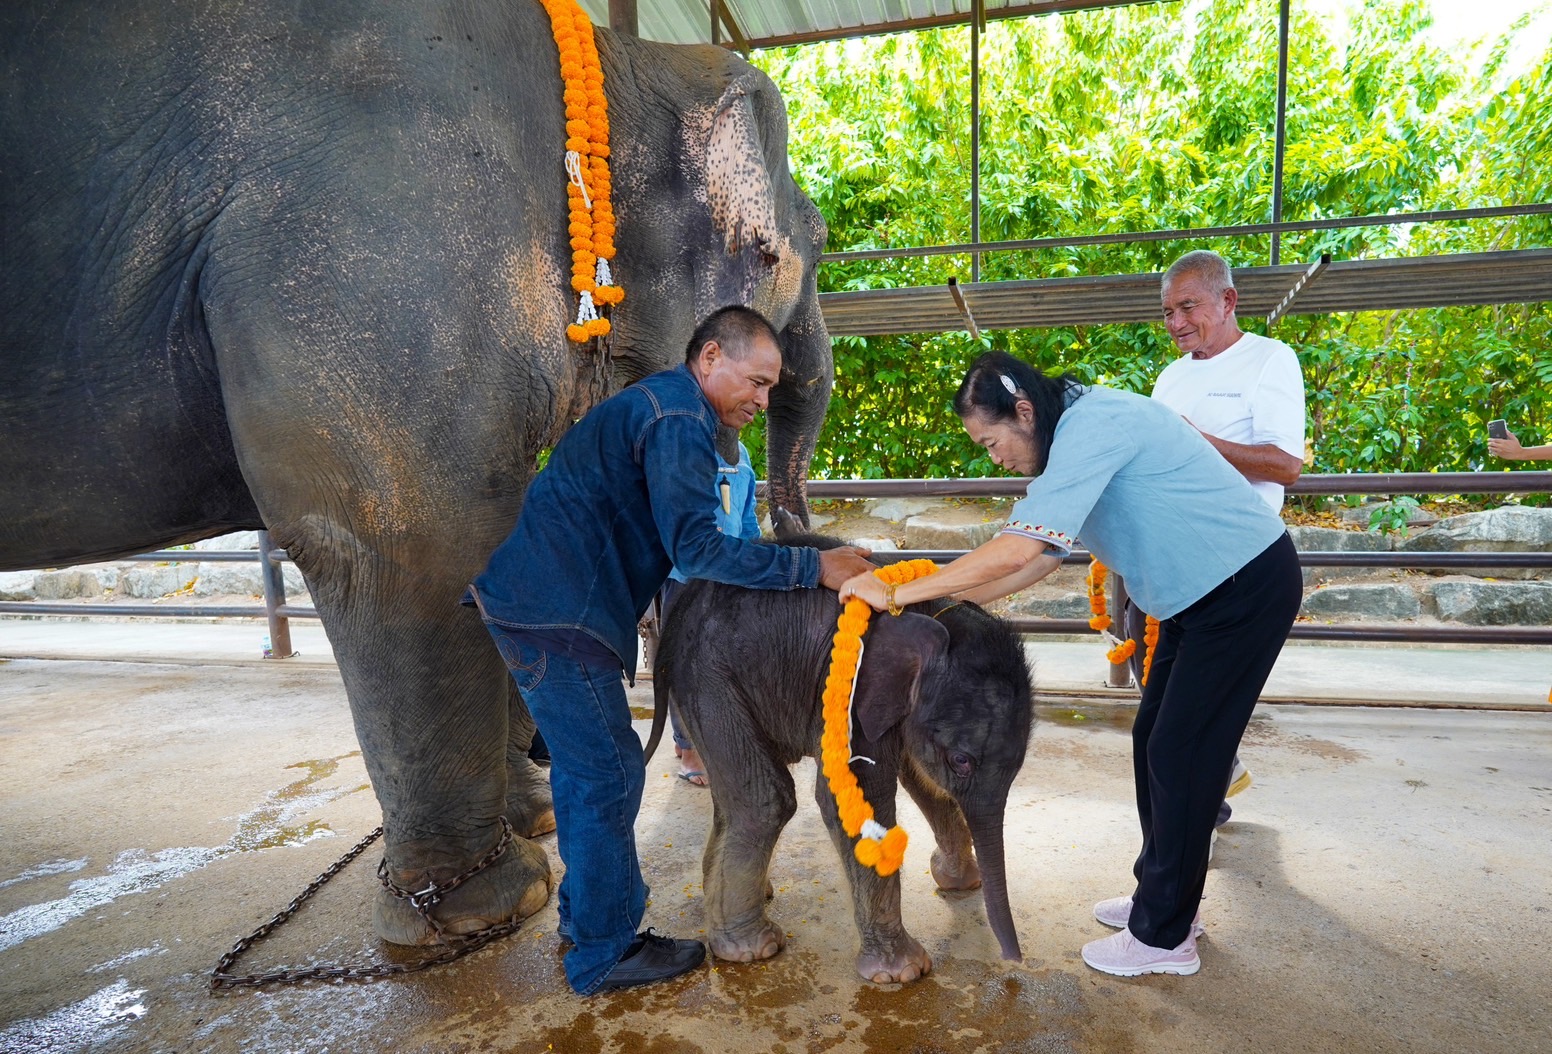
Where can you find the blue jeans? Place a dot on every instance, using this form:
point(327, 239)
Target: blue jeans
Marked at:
point(596, 779)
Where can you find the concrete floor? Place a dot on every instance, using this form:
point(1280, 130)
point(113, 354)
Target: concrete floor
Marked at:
point(1382, 887)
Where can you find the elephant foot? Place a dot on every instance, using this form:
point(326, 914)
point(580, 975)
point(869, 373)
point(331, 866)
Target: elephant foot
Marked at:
point(530, 808)
point(761, 943)
point(905, 961)
point(955, 871)
point(514, 887)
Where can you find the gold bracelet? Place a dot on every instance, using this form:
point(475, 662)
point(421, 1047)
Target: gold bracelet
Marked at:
point(889, 599)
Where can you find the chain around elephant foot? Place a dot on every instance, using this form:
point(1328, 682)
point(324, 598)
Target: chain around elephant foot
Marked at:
point(513, 887)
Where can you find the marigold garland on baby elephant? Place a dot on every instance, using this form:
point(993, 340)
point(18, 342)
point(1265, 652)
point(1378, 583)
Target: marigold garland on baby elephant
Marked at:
point(883, 850)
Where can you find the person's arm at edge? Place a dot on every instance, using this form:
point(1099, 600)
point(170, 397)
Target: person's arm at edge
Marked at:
point(1003, 565)
point(1265, 461)
point(1510, 449)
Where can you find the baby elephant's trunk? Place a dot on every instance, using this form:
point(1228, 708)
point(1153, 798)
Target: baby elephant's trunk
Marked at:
point(986, 832)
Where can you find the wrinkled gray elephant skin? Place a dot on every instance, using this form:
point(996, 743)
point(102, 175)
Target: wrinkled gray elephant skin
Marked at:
point(306, 267)
point(943, 706)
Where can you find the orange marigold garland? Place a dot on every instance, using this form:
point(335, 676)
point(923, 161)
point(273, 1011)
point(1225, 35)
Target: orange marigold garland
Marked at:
point(587, 168)
point(1120, 650)
point(882, 850)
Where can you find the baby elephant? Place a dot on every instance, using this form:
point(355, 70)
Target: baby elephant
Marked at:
point(942, 705)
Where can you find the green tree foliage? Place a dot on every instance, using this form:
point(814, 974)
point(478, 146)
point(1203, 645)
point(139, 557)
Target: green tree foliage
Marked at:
point(1159, 117)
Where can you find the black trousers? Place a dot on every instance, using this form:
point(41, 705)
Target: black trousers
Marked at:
point(1209, 667)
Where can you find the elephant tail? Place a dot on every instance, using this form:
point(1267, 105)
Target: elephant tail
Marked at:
point(660, 694)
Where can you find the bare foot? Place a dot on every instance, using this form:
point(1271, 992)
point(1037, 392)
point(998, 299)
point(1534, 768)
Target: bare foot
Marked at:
point(691, 769)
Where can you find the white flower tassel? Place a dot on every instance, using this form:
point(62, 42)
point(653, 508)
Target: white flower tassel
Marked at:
point(874, 830)
point(602, 276)
point(586, 312)
point(574, 171)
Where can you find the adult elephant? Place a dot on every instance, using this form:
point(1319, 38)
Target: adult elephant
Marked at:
point(305, 267)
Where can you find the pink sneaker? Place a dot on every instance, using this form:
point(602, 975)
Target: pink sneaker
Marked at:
point(1123, 955)
point(1117, 912)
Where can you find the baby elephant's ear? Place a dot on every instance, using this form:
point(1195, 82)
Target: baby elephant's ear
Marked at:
point(897, 650)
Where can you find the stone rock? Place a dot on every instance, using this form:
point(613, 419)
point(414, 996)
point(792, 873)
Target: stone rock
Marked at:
point(1071, 605)
point(1335, 540)
point(1494, 603)
point(1377, 601)
point(1363, 515)
point(878, 545)
point(18, 585)
point(897, 509)
point(155, 580)
point(229, 580)
point(950, 527)
point(1509, 529)
point(230, 542)
point(69, 583)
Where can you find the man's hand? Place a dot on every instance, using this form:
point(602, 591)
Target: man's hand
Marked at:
point(838, 565)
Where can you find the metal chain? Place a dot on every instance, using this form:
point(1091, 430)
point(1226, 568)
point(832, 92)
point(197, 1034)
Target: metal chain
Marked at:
point(422, 901)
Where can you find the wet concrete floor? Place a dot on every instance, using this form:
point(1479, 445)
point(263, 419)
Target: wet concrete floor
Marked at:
point(1382, 887)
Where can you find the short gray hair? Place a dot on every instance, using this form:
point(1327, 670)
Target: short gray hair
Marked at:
point(1204, 264)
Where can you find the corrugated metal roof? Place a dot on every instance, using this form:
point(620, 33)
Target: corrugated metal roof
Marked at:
point(1509, 277)
point(773, 23)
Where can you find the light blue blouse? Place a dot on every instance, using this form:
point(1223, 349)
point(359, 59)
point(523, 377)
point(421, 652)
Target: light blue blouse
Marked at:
point(1148, 496)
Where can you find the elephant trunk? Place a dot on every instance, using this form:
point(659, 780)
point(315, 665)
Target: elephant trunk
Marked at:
point(797, 409)
point(986, 833)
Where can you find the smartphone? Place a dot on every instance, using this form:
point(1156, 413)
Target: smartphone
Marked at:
point(1497, 429)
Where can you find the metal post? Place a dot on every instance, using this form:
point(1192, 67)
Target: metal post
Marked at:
point(274, 599)
point(716, 19)
point(976, 14)
point(1282, 113)
point(622, 16)
point(1120, 673)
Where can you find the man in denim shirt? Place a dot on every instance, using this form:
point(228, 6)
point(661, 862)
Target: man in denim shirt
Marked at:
point(627, 494)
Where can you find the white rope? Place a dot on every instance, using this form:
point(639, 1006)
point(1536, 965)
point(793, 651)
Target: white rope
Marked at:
point(861, 645)
point(874, 830)
point(574, 171)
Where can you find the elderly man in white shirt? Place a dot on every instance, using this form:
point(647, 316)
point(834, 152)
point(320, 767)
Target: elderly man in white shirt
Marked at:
point(1243, 392)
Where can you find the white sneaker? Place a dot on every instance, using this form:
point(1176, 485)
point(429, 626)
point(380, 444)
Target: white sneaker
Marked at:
point(1239, 778)
point(1123, 955)
point(1117, 912)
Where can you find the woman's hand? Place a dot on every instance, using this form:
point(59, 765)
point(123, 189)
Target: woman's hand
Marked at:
point(1509, 449)
point(867, 588)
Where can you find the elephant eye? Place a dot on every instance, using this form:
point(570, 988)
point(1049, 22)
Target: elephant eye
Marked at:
point(962, 764)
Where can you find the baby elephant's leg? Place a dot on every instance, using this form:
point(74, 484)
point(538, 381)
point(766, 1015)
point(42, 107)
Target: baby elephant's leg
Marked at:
point(953, 859)
point(752, 800)
point(889, 954)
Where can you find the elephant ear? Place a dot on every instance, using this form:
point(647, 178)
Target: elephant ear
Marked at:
point(898, 651)
point(739, 190)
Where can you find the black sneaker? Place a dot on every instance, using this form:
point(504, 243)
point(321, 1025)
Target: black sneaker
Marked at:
point(652, 958)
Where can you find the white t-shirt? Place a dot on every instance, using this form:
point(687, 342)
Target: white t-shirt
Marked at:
point(1252, 393)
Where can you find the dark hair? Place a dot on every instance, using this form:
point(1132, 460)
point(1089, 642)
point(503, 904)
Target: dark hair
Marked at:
point(985, 392)
point(734, 327)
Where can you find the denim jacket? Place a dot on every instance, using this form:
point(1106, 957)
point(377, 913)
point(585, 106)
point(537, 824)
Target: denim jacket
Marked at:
point(629, 492)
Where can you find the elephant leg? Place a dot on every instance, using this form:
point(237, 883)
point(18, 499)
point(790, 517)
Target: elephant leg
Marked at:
point(752, 798)
point(889, 954)
point(428, 695)
point(530, 809)
point(953, 858)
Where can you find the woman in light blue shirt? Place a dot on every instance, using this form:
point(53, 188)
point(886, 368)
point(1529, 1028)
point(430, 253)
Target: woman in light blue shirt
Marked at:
point(1199, 550)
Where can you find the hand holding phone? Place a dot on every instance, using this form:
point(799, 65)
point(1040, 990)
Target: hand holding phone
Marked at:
point(1497, 429)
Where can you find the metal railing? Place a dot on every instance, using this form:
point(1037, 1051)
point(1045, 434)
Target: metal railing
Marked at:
point(277, 611)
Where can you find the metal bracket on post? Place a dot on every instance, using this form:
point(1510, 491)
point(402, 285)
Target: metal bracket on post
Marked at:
point(1298, 287)
point(274, 600)
point(1120, 673)
point(964, 308)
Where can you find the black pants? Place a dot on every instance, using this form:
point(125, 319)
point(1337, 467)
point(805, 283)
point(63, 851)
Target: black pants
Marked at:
point(1209, 667)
